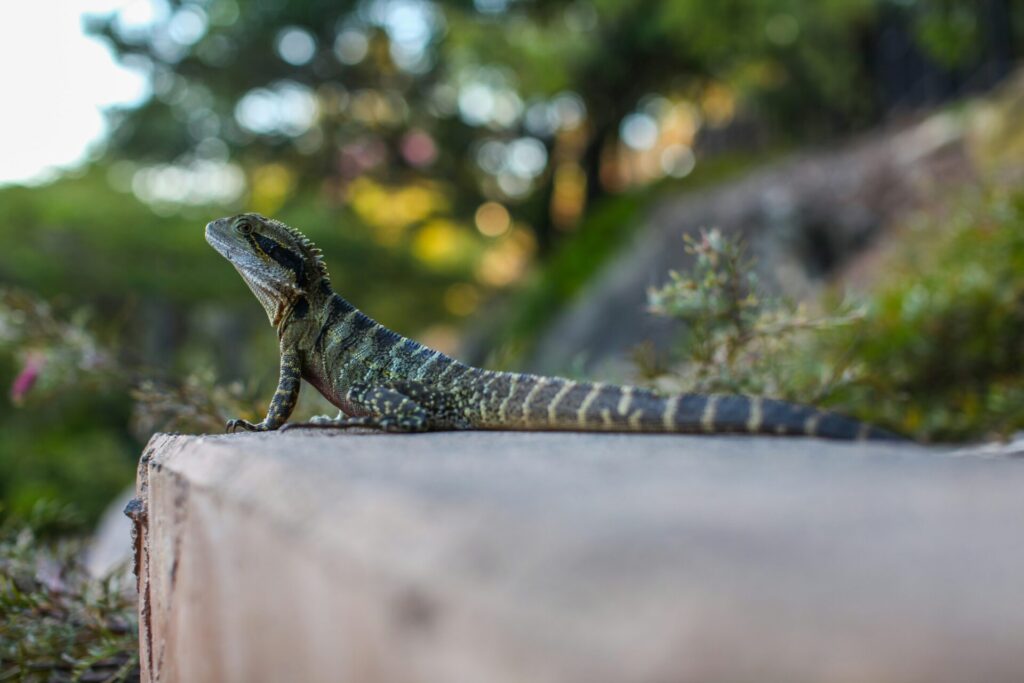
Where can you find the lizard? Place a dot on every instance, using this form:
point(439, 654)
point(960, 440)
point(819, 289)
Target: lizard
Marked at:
point(381, 380)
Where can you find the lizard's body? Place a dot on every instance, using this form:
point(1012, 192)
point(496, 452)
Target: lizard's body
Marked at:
point(377, 378)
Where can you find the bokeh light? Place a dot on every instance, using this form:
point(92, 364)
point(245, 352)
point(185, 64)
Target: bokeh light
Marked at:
point(639, 131)
point(492, 219)
point(286, 108)
point(295, 45)
point(351, 46)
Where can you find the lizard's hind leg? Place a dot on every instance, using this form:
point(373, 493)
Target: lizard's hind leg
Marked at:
point(384, 407)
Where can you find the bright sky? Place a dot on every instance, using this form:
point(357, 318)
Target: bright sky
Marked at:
point(56, 81)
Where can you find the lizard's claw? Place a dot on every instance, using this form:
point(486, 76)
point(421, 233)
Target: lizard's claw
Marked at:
point(241, 425)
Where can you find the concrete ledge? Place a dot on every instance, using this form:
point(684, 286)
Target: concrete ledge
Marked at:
point(494, 557)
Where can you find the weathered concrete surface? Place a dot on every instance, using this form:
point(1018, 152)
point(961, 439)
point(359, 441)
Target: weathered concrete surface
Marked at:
point(493, 557)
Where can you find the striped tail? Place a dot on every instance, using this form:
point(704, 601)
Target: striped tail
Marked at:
point(550, 403)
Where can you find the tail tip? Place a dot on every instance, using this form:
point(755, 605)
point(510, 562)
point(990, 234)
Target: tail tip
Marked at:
point(870, 432)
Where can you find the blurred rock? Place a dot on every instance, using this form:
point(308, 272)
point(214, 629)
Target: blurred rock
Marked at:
point(804, 219)
point(111, 547)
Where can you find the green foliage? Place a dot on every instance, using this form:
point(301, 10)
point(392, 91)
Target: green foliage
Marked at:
point(797, 63)
point(948, 30)
point(609, 225)
point(54, 353)
point(68, 441)
point(933, 352)
point(56, 622)
point(939, 354)
point(66, 445)
point(80, 235)
point(738, 339)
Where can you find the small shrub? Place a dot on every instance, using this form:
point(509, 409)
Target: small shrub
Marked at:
point(940, 353)
point(934, 351)
point(56, 622)
point(737, 338)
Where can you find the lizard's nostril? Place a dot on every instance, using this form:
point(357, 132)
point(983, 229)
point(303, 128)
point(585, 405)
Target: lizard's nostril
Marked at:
point(209, 232)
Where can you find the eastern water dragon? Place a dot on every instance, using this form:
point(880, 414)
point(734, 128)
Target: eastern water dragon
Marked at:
point(380, 379)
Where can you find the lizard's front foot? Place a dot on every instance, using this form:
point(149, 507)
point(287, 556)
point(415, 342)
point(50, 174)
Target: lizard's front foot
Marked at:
point(245, 426)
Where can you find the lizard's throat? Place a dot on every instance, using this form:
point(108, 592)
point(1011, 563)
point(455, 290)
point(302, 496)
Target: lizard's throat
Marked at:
point(275, 297)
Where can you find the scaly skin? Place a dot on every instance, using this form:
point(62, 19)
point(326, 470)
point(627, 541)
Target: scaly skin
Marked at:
point(382, 380)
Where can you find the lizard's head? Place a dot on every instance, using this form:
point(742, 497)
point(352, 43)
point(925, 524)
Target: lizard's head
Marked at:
point(277, 262)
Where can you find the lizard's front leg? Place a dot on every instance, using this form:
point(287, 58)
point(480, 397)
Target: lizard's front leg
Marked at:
point(283, 403)
point(388, 408)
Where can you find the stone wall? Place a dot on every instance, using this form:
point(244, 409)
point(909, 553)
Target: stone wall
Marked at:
point(500, 557)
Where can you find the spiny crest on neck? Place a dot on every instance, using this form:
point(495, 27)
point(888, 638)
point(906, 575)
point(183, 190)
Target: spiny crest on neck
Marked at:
point(312, 251)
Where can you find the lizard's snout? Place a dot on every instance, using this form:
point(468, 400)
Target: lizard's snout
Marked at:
point(213, 231)
point(214, 234)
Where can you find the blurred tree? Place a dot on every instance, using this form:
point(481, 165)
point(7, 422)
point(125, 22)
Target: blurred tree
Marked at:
point(523, 103)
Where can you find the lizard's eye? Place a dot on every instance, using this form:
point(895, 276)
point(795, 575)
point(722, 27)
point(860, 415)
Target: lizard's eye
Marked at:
point(244, 227)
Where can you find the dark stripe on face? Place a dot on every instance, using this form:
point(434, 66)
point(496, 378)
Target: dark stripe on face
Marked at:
point(284, 256)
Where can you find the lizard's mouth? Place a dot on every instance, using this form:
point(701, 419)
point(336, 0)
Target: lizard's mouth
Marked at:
point(215, 240)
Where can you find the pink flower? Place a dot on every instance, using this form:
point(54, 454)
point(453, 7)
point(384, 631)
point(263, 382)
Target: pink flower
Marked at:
point(419, 149)
point(26, 379)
